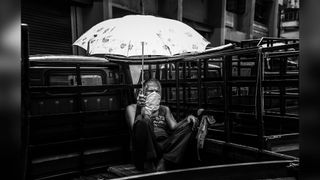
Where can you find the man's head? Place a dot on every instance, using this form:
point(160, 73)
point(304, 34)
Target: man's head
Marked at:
point(152, 85)
point(152, 91)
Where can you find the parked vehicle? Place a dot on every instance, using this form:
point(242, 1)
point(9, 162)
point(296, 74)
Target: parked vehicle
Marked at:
point(74, 116)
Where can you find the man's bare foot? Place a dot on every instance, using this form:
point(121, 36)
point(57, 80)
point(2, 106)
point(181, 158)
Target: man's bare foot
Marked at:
point(161, 165)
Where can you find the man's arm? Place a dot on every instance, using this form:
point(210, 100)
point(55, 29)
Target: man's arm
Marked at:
point(130, 114)
point(172, 123)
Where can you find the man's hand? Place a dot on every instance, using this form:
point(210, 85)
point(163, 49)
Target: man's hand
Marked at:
point(193, 120)
point(141, 99)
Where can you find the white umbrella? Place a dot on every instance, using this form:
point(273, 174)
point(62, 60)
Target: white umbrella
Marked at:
point(140, 35)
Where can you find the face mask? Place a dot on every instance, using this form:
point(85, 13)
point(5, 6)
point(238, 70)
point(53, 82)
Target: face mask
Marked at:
point(152, 102)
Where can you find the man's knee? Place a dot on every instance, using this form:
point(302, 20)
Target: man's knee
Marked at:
point(142, 122)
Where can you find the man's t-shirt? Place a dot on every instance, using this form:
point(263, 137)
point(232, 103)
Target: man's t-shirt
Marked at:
point(160, 124)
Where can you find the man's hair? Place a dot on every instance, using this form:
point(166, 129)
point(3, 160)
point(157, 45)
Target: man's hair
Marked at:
point(152, 80)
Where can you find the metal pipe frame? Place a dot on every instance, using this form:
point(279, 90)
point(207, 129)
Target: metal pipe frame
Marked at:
point(202, 83)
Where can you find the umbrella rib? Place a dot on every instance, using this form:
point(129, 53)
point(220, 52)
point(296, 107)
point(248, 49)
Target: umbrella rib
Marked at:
point(128, 48)
point(164, 44)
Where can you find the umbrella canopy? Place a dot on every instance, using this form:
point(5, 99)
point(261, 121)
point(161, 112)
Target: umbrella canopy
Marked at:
point(124, 36)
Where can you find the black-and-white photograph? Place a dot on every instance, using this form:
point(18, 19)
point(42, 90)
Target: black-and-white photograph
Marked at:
point(160, 89)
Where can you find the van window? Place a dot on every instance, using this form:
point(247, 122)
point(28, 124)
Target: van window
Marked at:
point(64, 79)
point(91, 80)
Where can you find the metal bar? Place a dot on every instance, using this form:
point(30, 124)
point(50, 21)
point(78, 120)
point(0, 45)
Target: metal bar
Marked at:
point(199, 76)
point(75, 114)
point(281, 54)
point(170, 77)
point(283, 63)
point(263, 59)
point(82, 88)
point(80, 123)
point(86, 139)
point(150, 71)
point(287, 46)
point(227, 95)
point(262, 170)
point(62, 61)
point(242, 148)
point(232, 52)
point(78, 89)
point(259, 104)
point(65, 175)
point(273, 38)
point(205, 88)
point(148, 60)
point(189, 76)
point(122, 98)
point(250, 115)
point(25, 124)
point(284, 82)
point(158, 72)
point(166, 80)
point(177, 90)
point(238, 73)
point(184, 89)
point(282, 136)
point(260, 41)
point(194, 57)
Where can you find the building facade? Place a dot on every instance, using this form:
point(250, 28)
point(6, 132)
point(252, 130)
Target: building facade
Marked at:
point(289, 19)
point(55, 25)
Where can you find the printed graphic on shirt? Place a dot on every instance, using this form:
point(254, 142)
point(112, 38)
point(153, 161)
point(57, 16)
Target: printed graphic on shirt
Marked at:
point(159, 122)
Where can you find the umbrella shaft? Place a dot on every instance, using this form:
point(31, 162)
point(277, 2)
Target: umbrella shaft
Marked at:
point(142, 65)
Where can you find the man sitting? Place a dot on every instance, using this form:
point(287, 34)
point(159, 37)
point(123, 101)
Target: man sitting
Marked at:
point(158, 140)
